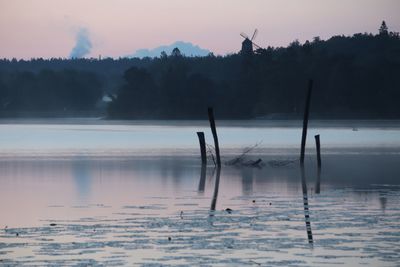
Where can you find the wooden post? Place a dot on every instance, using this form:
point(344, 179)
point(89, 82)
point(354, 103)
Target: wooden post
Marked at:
point(318, 146)
point(214, 133)
point(305, 122)
point(202, 142)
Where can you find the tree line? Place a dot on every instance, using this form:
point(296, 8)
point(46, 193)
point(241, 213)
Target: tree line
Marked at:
point(48, 93)
point(354, 76)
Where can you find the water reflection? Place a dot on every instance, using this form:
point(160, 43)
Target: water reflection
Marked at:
point(383, 202)
point(82, 178)
point(135, 203)
point(216, 189)
point(247, 180)
point(306, 207)
point(202, 181)
point(318, 183)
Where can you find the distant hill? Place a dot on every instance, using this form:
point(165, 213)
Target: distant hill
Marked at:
point(186, 48)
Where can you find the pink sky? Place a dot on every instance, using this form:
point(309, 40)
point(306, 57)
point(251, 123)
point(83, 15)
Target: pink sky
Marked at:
point(47, 28)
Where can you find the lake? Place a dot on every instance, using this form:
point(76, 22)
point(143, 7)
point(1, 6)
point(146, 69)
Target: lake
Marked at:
point(95, 192)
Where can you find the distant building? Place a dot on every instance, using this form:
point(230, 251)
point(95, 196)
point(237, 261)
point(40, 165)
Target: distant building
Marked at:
point(247, 47)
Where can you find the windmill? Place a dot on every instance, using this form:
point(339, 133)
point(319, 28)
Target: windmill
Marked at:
point(248, 43)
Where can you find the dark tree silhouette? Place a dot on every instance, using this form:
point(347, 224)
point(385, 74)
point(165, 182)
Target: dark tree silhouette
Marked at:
point(163, 55)
point(176, 52)
point(383, 30)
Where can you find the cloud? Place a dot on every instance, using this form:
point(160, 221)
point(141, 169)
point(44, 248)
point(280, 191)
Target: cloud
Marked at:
point(83, 44)
point(186, 48)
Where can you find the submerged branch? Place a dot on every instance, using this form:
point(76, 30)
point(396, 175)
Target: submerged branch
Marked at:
point(210, 153)
point(240, 160)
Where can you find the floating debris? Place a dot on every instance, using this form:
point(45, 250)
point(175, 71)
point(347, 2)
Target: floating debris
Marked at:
point(281, 163)
point(228, 210)
point(251, 261)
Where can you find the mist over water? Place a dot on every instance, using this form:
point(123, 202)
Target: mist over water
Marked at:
point(138, 138)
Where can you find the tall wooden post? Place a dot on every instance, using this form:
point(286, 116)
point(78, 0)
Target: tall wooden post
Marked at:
point(214, 133)
point(318, 147)
point(202, 142)
point(305, 122)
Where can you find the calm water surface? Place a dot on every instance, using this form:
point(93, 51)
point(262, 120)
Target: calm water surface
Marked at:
point(90, 192)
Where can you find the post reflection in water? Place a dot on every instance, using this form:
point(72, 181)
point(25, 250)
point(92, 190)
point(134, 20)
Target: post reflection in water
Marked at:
point(318, 183)
point(216, 188)
point(202, 181)
point(82, 178)
point(306, 208)
point(247, 181)
point(383, 201)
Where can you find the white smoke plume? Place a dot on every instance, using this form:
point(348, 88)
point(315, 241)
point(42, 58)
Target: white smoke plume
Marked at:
point(83, 44)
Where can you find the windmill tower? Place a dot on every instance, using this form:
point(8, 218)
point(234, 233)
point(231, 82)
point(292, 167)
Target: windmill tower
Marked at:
point(248, 44)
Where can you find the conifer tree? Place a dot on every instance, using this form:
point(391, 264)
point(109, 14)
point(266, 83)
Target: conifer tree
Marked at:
point(383, 30)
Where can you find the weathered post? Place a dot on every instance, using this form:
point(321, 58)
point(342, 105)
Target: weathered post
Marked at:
point(202, 142)
point(318, 147)
point(305, 122)
point(214, 133)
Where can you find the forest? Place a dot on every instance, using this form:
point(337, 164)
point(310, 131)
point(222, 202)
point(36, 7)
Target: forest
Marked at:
point(355, 77)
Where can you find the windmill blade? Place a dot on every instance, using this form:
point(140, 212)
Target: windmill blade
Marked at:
point(244, 35)
point(256, 46)
point(254, 34)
